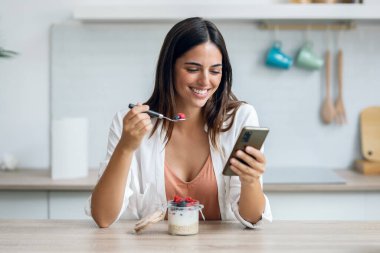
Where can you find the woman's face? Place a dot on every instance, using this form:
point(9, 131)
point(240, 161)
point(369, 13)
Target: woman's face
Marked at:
point(198, 73)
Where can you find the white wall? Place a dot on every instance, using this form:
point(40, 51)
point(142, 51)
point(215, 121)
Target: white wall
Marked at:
point(24, 80)
point(24, 85)
point(99, 68)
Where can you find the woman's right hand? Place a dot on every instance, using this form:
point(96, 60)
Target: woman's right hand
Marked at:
point(136, 124)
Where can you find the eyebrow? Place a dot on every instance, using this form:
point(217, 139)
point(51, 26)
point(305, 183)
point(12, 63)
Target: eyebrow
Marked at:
point(200, 65)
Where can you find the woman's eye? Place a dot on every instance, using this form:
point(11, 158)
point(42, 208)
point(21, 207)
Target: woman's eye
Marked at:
point(216, 72)
point(192, 70)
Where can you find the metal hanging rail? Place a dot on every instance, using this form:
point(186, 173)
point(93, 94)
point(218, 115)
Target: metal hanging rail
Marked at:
point(302, 26)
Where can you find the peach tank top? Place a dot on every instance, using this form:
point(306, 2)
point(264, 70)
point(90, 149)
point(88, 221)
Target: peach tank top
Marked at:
point(203, 188)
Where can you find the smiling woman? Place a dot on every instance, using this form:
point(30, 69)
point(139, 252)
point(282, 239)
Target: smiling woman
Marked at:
point(149, 161)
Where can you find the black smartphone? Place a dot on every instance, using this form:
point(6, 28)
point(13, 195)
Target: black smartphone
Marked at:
point(249, 136)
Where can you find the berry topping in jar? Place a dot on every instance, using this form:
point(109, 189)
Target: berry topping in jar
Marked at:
point(183, 216)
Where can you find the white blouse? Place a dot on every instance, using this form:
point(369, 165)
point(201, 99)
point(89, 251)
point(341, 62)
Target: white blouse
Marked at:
point(145, 189)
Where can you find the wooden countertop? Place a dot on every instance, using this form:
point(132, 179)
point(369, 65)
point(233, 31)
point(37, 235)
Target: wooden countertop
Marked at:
point(41, 180)
point(279, 236)
point(355, 182)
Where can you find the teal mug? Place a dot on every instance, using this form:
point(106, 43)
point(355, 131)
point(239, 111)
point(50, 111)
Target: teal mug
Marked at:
point(307, 59)
point(276, 58)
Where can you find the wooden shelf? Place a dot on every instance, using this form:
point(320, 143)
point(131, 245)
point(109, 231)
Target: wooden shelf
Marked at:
point(228, 12)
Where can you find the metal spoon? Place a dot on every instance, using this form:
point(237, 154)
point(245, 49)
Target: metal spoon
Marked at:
point(154, 114)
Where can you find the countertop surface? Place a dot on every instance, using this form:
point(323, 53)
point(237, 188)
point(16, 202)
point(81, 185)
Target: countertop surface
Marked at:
point(279, 236)
point(28, 179)
point(41, 180)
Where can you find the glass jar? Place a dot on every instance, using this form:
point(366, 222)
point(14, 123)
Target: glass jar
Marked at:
point(184, 220)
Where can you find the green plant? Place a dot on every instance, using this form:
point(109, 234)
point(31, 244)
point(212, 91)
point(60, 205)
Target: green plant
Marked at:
point(4, 53)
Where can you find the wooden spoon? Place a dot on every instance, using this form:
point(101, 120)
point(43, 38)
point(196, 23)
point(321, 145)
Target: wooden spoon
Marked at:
point(340, 117)
point(328, 109)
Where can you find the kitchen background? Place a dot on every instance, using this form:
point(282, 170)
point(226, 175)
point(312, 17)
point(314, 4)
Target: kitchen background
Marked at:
point(98, 68)
point(69, 68)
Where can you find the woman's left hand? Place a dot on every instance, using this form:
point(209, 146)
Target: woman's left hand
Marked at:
point(250, 172)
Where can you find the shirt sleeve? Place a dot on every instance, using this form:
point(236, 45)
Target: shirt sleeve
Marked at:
point(113, 139)
point(266, 216)
point(246, 116)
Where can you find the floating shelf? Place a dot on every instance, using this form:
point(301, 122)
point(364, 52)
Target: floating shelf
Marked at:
point(228, 12)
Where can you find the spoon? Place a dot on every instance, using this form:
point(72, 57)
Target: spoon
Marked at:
point(328, 109)
point(339, 105)
point(154, 114)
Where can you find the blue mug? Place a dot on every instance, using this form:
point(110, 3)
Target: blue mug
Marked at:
point(277, 59)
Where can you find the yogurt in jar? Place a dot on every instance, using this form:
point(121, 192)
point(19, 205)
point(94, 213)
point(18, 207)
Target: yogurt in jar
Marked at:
point(183, 216)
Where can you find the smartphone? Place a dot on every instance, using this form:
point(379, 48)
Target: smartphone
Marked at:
point(249, 136)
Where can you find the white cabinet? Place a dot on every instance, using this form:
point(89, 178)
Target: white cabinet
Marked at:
point(325, 205)
point(356, 199)
point(33, 195)
point(284, 205)
point(43, 204)
point(67, 205)
point(23, 205)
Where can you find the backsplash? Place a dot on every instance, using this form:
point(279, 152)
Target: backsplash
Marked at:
point(98, 69)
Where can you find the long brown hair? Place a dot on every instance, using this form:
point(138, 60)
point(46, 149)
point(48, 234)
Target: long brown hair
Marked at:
point(222, 106)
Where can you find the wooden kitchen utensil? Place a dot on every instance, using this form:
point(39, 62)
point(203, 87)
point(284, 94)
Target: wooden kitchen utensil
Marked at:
point(370, 133)
point(340, 112)
point(370, 141)
point(301, 1)
point(150, 219)
point(328, 109)
point(367, 167)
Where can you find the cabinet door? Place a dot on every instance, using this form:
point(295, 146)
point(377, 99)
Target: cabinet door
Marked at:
point(23, 205)
point(68, 205)
point(325, 205)
point(372, 205)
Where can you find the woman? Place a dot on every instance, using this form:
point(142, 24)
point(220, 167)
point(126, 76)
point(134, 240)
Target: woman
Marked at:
point(150, 160)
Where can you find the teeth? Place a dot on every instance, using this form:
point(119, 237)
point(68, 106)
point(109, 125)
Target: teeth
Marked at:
point(201, 92)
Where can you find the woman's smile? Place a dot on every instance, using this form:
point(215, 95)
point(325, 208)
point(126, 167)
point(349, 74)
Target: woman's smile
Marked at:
point(200, 93)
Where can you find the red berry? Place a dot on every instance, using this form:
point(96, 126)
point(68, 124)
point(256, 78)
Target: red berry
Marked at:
point(181, 202)
point(177, 199)
point(181, 115)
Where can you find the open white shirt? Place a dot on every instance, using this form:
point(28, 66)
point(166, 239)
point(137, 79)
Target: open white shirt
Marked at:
point(145, 189)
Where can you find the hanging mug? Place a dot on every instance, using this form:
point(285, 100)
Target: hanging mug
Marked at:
point(306, 58)
point(276, 58)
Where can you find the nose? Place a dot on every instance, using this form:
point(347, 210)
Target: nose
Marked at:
point(204, 78)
